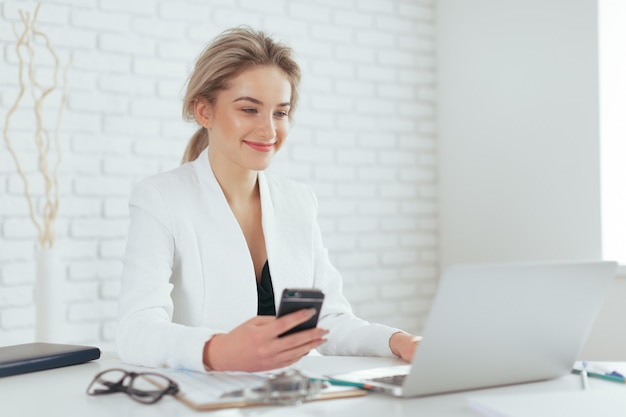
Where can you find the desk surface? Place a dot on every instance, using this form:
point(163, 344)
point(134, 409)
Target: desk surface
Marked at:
point(61, 392)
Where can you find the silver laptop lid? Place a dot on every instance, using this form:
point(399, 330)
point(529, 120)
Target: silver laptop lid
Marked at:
point(502, 324)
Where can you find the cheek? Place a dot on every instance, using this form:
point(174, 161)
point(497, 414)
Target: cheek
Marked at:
point(282, 131)
point(234, 124)
point(232, 128)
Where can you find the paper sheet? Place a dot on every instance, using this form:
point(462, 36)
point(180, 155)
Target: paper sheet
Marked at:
point(203, 390)
point(208, 387)
point(609, 403)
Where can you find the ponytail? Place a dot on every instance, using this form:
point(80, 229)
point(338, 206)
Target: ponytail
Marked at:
point(198, 142)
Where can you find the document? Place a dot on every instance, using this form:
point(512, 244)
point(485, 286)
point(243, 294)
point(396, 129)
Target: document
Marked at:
point(210, 390)
point(605, 403)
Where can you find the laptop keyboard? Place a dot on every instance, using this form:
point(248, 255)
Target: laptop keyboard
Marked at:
point(397, 380)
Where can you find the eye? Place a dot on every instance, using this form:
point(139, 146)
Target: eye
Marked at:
point(281, 114)
point(249, 110)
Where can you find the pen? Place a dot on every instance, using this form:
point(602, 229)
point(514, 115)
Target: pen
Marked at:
point(594, 367)
point(606, 377)
point(583, 376)
point(348, 384)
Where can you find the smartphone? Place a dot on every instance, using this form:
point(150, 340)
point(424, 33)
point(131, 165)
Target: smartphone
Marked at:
point(294, 299)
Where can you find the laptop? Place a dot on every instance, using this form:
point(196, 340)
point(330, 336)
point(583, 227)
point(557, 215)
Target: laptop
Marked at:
point(499, 324)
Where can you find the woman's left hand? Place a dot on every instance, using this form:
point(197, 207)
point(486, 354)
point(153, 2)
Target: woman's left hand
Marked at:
point(404, 345)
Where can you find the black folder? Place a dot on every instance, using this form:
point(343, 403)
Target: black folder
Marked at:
point(31, 357)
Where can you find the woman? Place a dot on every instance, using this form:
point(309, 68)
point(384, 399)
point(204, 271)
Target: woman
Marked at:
point(202, 234)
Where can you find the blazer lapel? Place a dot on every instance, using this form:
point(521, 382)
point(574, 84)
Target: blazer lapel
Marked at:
point(230, 289)
point(272, 238)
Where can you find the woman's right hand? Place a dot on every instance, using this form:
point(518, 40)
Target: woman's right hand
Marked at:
point(255, 346)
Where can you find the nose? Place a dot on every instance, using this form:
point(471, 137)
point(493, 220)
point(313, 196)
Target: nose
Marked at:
point(266, 128)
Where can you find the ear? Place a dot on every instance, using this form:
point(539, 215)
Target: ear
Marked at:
point(203, 112)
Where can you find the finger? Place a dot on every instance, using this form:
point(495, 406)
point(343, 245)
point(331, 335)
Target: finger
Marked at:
point(299, 339)
point(294, 354)
point(261, 320)
point(291, 320)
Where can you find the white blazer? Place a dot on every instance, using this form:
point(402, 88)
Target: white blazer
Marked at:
point(188, 273)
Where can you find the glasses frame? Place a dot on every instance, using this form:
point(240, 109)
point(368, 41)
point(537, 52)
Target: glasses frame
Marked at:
point(125, 385)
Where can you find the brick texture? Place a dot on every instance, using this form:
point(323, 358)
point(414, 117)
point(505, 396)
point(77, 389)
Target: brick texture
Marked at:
point(364, 138)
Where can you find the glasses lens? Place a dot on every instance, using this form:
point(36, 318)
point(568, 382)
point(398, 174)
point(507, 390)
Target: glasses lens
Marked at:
point(108, 382)
point(148, 387)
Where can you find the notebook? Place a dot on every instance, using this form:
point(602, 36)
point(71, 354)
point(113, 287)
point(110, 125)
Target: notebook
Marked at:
point(499, 324)
point(31, 357)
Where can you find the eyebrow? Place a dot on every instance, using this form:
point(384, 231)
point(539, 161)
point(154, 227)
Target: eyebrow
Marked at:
point(259, 102)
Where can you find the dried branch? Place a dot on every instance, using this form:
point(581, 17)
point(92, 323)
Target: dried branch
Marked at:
point(25, 41)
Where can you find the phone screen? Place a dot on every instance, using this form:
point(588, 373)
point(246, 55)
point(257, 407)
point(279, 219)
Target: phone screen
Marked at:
point(294, 299)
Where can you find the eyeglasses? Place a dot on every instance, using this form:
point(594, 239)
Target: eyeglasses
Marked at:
point(144, 387)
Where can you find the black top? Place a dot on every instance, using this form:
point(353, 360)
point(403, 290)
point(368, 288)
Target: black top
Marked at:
point(265, 292)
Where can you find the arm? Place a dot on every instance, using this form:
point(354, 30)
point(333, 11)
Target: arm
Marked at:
point(145, 333)
point(350, 335)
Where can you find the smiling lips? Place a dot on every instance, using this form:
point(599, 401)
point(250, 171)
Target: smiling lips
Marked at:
point(259, 146)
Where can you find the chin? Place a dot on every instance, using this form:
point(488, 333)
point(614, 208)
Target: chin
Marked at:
point(259, 165)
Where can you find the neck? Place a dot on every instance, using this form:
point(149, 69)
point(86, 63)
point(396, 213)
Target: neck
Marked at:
point(239, 185)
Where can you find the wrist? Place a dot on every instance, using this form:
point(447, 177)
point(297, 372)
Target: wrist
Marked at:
point(208, 353)
point(395, 343)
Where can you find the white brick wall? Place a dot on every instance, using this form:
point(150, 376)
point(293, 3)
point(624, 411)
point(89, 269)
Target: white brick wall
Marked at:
point(364, 139)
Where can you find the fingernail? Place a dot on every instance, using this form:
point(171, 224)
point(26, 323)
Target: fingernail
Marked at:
point(311, 312)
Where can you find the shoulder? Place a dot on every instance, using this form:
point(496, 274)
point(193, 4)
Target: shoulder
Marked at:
point(163, 186)
point(173, 177)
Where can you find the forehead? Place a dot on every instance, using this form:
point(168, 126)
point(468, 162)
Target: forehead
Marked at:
point(266, 83)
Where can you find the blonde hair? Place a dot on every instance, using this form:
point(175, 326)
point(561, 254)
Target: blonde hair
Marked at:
point(231, 53)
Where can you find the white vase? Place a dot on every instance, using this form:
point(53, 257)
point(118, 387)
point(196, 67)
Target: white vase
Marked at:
point(49, 297)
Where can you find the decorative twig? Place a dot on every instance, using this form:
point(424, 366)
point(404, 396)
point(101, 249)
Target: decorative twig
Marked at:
point(45, 226)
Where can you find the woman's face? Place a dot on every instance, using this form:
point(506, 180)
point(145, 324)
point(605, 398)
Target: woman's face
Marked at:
point(248, 122)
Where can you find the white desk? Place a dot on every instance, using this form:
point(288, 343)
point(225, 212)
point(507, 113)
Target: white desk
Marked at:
point(61, 392)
